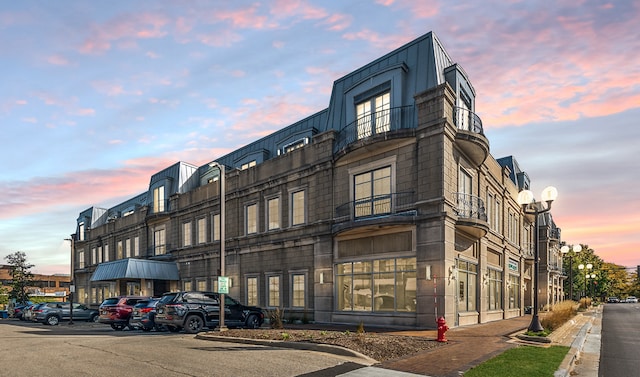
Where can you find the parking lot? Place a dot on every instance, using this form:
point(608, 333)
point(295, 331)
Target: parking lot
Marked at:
point(94, 349)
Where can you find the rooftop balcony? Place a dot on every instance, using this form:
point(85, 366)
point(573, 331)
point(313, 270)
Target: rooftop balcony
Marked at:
point(470, 136)
point(472, 217)
point(379, 124)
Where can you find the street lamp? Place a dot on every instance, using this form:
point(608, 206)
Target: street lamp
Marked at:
point(221, 325)
point(71, 286)
point(565, 250)
point(531, 207)
point(586, 269)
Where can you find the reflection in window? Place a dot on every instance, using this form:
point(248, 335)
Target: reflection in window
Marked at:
point(377, 121)
point(467, 283)
point(372, 192)
point(273, 213)
point(384, 285)
point(494, 293)
point(274, 291)
point(297, 295)
point(297, 208)
point(251, 213)
point(252, 291)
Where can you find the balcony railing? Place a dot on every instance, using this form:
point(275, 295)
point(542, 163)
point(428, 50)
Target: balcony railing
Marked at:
point(470, 207)
point(467, 120)
point(377, 206)
point(375, 123)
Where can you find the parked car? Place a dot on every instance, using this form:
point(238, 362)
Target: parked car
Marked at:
point(143, 316)
point(192, 311)
point(27, 312)
point(116, 311)
point(632, 299)
point(51, 313)
point(17, 310)
point(613, 300)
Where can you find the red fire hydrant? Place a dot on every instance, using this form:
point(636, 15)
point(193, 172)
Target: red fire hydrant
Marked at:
point(442, 328)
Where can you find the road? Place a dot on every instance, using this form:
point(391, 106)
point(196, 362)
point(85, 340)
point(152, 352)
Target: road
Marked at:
point(620, 344)
point(83, 349)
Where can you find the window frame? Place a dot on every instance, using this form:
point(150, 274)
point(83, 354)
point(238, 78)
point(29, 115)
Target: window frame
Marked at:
point(251, 221)
point(297, 212)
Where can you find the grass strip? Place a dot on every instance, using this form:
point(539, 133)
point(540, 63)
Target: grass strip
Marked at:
point(522, 361)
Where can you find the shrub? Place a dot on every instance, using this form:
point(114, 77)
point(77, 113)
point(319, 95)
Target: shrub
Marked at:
point(559, 314)
point(276, 318)
point(585, 302)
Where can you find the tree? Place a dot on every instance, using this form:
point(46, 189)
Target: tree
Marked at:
point(21, 276)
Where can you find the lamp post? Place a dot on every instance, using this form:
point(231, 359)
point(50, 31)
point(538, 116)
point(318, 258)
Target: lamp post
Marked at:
point(586, 269)
point(530, 206)
point(72, 287)
point(221, 325)
point(565, 250)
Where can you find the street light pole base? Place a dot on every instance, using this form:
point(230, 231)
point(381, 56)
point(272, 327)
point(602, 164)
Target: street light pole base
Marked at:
point(535, 325)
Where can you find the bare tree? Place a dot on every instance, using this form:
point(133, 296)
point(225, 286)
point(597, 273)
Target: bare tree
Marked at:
point(21, 276)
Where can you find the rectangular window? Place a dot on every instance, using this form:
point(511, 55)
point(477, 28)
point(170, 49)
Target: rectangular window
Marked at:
point(127, 247)
point(81, 259)
point(186, 285)
point(467, 283)
point(273, 213)
point(202, 230)
point(186, 234)
point(372, 192)
point(201, 285)
point(136, 246)
point(158, 199)
point(513, 285)
point(106, 253)
point(298, 291)
point(248, 165)
point(100, 255)
point(377, 121)
point(159, 242)
point(251, 216)
point(216, 227)
point(298, 210)
point(94, 256)
point(274, 291)
point(81, 232)
point(119, 250)
point(383, 285)
point(252, 291)
point(494, 292)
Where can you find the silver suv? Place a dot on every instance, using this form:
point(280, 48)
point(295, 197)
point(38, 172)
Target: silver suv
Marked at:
point(51, 313)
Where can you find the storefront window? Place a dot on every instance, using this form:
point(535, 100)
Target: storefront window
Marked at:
point(494, 293)
point(383, 285)
point(467, 285)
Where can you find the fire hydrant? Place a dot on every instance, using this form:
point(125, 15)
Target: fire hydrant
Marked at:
point(442, 328)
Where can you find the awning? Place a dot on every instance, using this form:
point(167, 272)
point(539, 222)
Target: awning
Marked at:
point(136, 269)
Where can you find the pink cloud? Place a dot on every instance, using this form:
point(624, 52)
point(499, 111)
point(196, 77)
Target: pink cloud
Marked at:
point(297, 8)
point(58, 60)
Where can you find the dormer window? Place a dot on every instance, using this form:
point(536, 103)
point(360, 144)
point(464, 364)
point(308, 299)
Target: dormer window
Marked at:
point(293, 146)
point(158, 199)
point(248, 165)
point(373, 115)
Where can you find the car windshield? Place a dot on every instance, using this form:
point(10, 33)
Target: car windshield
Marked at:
point(142, 304)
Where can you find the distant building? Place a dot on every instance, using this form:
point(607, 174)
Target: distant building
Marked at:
point(385, 208)
point(53, 286)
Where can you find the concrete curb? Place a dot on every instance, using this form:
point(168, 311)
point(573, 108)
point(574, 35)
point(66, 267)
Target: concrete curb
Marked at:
point(317, 347)
point(577, 345)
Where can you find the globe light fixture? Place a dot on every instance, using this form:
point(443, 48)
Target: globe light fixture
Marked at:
point(531, 207)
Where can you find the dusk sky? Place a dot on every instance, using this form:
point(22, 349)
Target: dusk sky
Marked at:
point(98, 96)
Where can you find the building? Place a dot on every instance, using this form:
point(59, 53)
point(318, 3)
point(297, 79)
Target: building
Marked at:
point(55, 287)
point(385, 208)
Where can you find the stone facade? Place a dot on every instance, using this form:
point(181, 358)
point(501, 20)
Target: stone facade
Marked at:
point(395, 224)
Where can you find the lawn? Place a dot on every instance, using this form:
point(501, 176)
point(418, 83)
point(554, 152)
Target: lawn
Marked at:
point(522, 361)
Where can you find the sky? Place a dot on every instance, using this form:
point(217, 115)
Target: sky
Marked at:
point(95, 97)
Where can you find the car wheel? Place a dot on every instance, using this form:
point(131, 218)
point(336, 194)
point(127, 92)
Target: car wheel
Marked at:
point(193, 324)
point(253, 322)
point(160, 328)
point(118, 326)
point(174, 328)
point(94, 318)
point(52, 320)
point(146, 329)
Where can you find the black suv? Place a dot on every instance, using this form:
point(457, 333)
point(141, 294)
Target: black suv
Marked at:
point(192, 311)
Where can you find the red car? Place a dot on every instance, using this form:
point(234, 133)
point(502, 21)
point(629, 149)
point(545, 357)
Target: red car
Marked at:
point(116, 311)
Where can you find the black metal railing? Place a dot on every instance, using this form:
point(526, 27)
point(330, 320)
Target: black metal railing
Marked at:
point(376, 123)
point(554, 233)
point(470, 207)
point(377, 206)
point(467, 120)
